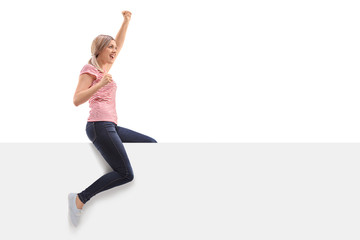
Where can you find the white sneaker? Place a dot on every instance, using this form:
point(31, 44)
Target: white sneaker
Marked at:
point(74, 212)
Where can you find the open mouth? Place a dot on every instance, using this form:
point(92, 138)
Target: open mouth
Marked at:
point(112, 56)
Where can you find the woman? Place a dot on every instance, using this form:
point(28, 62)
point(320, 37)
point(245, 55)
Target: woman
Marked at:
point(97, 86)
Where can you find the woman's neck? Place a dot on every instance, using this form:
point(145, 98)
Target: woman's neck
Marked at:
point(104, 66)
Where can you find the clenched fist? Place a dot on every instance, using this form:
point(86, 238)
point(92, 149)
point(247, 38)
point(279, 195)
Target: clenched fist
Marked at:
point(127, 15)
point(107, 78)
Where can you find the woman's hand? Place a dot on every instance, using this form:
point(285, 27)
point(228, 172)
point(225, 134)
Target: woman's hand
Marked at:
point(127, 15)
point(107, 78)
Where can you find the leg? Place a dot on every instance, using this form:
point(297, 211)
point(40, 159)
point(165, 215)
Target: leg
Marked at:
point(105, 138)
point(128, 135)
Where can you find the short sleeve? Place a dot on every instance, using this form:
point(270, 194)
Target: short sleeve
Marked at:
point(89, 69)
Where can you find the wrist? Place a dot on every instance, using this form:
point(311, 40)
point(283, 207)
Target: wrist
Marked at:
point(98, 86)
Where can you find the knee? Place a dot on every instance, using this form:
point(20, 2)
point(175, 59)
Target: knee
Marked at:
point(126, 175)
point(152, 140)
point(130, 176)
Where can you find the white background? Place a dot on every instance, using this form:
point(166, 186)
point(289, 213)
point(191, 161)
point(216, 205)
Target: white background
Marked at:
point(189, 71)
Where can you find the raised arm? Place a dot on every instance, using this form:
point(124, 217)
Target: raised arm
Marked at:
point(120, 36)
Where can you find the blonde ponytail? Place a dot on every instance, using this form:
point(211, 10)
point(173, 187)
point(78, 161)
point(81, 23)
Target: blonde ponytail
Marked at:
point(93, 61)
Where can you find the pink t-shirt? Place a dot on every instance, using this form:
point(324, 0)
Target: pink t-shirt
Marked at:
point(102, 103)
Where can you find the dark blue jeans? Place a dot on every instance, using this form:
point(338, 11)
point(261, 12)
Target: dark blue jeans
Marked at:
point(108, 138)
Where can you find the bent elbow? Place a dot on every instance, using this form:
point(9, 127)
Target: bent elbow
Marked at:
point(76, 103)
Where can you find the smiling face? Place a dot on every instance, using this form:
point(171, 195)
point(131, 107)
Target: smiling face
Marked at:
point(108, 54)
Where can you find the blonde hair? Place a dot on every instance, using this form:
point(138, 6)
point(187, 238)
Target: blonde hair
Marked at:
point(98, 44)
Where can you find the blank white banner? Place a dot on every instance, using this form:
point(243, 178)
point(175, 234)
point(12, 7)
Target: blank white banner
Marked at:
point(185, 191)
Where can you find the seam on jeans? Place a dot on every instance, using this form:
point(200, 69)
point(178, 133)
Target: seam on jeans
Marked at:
point(126, 169)
point(120, 178)
point(94, 127)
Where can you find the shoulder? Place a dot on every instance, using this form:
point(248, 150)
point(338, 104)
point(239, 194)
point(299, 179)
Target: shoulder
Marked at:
point(89, 67)
point(90, 70)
